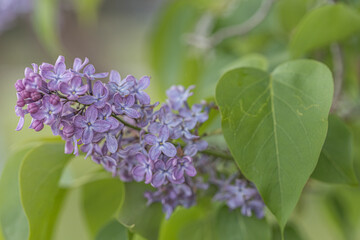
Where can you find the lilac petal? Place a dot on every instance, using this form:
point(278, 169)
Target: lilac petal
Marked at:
point(148, 176)
point(144, 82)
point(87, 136)
point(91, 114)
point(98, 88)
point(111, 143)
point(48, 74)
point(89, 69)
point(190, 170)
point(65, 89)
point(87, 100)
point(60, 68)
point(20, 124)
point(53, 85)
point(113, 122)
point(115, 77)
point(155, 152)
point(69, 147)
point(169, 149)
point(164, 133)
point(150, 139)
point(80, 121)
point(129, 101)
point(178, 173)
point(132, 113)
point(158, 179)
point(139, 172)
point(143, 98)
point(141, 158)
point(81, 90)
point(101, 126)
point(155, 127)
point(101, 75)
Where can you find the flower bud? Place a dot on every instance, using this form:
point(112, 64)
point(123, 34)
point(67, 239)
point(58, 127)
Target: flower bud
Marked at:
point(35, 96)
point(37, 125)
point(20, 102)
point(54, 99)
point(68, 131)
point(25, 94)
point(33, 108)
point(19, 86)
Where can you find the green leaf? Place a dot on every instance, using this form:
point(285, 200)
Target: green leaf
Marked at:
point(232, 225)
point(100, 201)
point(113, 230)
point(13, 219)
point(136, 215)
point(182, 218)
point(275, 126)
point(45, 24)
point(336, 159)
point(290, 233)
point(41, 197)
point(323, 26)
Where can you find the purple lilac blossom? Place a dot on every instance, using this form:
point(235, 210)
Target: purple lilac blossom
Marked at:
point(117, 126)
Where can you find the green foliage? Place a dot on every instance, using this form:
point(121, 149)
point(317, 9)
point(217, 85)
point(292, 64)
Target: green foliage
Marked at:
point(324, 26)
point(232, 225)
point(275, 126)
point(12, 217)
point(87, 10)
point(41, 196)
point(336, 159)
point(136, 215)
point(100, 201)
point(290, 233)
point(113, 230)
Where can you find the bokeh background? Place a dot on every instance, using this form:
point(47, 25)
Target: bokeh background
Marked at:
point(163, 39)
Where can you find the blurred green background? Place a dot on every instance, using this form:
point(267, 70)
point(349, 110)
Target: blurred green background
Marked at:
point(166, 39)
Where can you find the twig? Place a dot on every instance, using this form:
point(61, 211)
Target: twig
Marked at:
point(338, 68)
point(232, 31)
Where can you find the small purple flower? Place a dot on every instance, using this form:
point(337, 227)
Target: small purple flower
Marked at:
point(140, 95)
point(37, 125)
point(160, 145)
point(123, 105)
point(164, 172)
point(122, 87)
point(89, 73)
point(79, 64)
point(183, 165)
point(143, 169)
point(90, 124)
point(56, 75)
point(99, 97)
point(105, 114)
point(177, 96)
point(74, 88)
point(47, 111)
point(192, 148)
point(193, 116)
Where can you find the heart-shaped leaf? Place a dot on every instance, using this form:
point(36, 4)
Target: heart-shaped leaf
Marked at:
point(336, 159)
point(41, 196)
point(275, 126)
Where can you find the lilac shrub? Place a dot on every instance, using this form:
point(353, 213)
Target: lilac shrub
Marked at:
point(116, 125)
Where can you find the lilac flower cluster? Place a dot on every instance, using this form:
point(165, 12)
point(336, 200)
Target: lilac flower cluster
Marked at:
point(117, 126)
